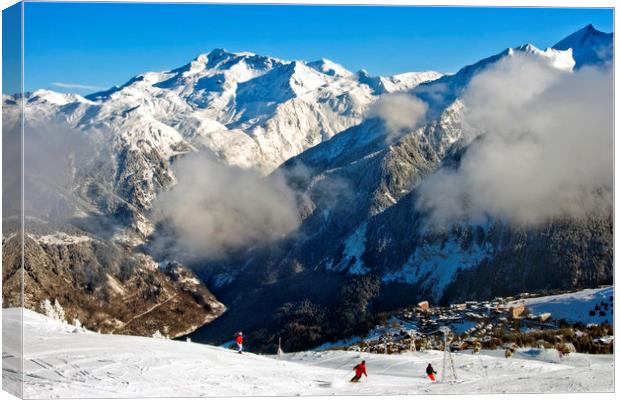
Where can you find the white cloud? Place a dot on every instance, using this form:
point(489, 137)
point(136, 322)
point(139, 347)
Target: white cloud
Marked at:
point(400, 112)
point(541, 147)
point(65, 85)
point(215, 209)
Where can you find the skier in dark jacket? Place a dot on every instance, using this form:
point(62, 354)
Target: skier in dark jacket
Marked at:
point(431, 372)
point(359, 370)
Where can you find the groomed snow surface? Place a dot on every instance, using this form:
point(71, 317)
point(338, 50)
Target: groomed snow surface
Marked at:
point(63, 362)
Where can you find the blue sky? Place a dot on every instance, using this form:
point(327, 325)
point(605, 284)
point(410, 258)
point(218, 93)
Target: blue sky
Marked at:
point(100, 45)
point(11, 49)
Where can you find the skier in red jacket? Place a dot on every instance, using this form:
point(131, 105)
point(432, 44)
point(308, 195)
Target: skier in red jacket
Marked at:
point(239, 341)
point(359, 370)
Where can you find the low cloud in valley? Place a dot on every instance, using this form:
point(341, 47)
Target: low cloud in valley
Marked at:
point(215, 209)
point(400, 112)
point(541, 146)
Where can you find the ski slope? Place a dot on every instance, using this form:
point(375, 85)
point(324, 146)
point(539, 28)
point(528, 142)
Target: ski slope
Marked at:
point(61, 361)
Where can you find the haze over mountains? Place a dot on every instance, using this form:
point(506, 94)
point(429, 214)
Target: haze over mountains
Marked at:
point(308, 198)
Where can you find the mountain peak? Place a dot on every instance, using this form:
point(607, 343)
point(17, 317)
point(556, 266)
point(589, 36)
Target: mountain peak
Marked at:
point(220, 55)
point(528, 48)
point(56, 98)
point(582, 36)
point(219, 52)
point(591, 30)
point(561, 59)
point(329, 67)
point(590, 46)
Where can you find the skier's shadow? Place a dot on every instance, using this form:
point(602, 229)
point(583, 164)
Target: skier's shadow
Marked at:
point(324, 383)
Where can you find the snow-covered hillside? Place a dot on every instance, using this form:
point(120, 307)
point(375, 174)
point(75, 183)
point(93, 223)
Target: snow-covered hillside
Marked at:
point(61, 361)
point(575, 306)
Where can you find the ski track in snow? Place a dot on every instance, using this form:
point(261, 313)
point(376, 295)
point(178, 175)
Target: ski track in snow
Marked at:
point(60, 363)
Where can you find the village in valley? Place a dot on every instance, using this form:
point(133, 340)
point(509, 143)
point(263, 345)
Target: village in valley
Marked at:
point(576, 322)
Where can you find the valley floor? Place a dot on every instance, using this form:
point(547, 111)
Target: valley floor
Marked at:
point(62, 363)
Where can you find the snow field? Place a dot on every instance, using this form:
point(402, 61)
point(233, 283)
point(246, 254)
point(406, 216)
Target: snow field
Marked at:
point(574, 306)
point(61, 363)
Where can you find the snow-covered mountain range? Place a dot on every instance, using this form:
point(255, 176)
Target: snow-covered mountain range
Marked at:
point(248, 110)
point(354, 173)
point(252, 111)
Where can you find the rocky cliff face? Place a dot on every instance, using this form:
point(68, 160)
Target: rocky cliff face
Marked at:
point(103, 285)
